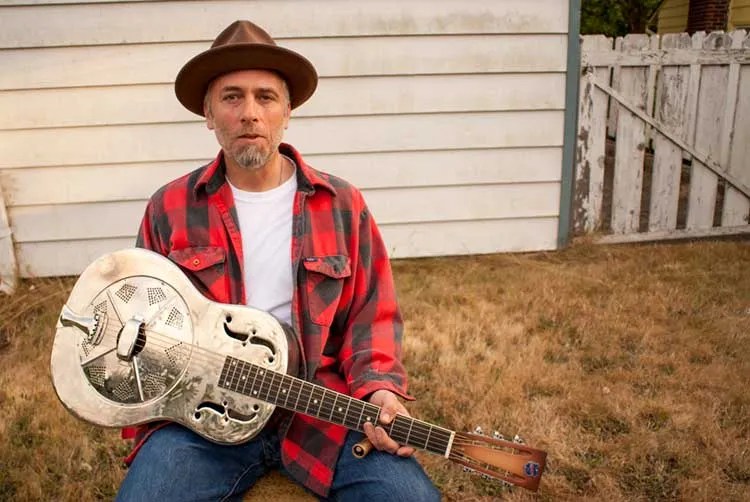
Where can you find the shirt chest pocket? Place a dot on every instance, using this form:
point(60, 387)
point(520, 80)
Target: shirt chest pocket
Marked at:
point(324, 282)
point(205, 268)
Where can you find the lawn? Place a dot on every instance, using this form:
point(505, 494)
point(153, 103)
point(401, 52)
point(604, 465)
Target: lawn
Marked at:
point(629, 365)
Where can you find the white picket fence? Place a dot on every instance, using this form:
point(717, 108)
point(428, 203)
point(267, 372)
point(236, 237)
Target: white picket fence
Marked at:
point(663, 147)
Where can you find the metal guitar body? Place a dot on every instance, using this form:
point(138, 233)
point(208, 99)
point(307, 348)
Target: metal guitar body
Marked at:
point(136, 342)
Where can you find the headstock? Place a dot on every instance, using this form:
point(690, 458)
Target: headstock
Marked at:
point(510, 461)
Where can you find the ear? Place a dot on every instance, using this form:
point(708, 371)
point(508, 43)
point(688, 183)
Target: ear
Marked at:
point(207, 110)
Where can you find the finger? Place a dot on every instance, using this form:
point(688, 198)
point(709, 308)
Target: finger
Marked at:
point(405, 451)
point(380, 439)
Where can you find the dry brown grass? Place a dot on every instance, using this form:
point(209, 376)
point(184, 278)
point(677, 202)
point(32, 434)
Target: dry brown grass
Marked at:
point(629, 365)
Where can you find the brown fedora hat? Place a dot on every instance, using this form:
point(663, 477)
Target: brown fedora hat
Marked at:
point(244, 46)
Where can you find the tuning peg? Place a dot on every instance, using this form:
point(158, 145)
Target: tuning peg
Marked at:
point(518, 439)
point(468, 469)
point(497, 435)
point(478, 430)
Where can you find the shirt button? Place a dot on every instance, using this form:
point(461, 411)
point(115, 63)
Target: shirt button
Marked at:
point(196, 262)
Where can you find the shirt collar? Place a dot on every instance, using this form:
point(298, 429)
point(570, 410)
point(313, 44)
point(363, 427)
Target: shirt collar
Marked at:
point(213, 175)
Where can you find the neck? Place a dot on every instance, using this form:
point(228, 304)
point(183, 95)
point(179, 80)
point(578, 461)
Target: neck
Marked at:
point(313, 400)
point(272, 174)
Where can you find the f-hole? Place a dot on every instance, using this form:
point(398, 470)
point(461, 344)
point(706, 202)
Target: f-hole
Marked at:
point(244, 337)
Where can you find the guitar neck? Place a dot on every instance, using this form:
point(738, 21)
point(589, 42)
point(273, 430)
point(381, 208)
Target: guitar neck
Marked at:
point(313, 400)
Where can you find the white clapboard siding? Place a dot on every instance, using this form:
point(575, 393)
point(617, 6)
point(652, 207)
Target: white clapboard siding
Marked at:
point(71, 184)
point(161, 142)
point(459, 203)
point(344, 57)
point(51, 258)
point(114, 24)
point(156, 103)
point(448, 115)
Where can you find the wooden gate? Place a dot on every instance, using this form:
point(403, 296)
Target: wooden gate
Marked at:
point(663, 147)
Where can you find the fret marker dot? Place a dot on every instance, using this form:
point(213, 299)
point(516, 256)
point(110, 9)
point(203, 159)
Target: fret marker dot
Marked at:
point(315, 401)
point(341, 409)
point(255, 392)
point(283, 391)
point(243, 377)
point(368, 419)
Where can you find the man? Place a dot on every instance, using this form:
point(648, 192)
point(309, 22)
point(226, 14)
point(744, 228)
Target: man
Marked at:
point(259, 226)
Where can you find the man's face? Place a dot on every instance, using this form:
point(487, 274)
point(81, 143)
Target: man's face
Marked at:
point(248, 111)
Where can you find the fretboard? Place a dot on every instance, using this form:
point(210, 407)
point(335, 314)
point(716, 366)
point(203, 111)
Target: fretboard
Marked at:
point(307, 398)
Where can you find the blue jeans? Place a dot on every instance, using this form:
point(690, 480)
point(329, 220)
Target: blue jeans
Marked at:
point(177, 464)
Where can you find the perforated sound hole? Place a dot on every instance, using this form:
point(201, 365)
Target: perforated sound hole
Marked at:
point(96, 373)
point(155, 295)
point(163, 347)
point(175, 354)
point(126, 292)
point(175, 318)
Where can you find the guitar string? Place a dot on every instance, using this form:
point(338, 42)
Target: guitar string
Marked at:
point(328, 405)
point(422, 428)
point(394, 424)
point(419, 434)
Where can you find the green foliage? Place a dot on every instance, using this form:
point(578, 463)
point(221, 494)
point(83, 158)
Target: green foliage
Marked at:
point(615, 18)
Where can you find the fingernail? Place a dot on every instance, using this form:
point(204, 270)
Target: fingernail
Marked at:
point(385, 417)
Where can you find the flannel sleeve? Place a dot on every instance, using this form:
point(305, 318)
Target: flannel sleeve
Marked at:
point(371, 352)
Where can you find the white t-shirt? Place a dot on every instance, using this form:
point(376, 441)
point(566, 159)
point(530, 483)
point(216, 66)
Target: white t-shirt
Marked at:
point(266, 226)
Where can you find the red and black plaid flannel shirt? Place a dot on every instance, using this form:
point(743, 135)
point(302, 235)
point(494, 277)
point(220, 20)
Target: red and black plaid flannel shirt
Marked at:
point(344, 305)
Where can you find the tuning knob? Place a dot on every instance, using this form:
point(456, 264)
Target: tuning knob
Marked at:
point(518, 439)
point(478, 430)
point(497, 435)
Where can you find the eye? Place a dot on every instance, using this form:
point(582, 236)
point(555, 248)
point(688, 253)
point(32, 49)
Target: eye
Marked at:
point(230, 98)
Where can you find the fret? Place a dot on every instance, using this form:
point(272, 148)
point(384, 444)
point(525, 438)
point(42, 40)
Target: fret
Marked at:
point(274, 387)
point(231, 373)
point(264, 387)
point(244, 370)
point(224, 369)
point(317, 400)
point(346, 413)
point(281, 391)
point(253, 389)
point(427, 441)
point(408, 434)
point(327, 404)
point(299, 394)
point(309, 397)
point(361, 413)
point(333, 407)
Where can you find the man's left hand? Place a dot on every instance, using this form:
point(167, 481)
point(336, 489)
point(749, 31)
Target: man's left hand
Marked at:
point(390, 407)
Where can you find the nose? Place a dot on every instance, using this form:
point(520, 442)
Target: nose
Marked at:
point(249, 111)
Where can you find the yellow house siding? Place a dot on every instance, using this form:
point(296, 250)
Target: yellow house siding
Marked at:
point(673, 16)
point(739, 14)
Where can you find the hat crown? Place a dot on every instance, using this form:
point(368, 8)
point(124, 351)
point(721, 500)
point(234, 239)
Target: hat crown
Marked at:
point(243, 32)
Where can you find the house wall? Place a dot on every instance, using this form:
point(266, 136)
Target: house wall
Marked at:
point(673, 16)
point(448, 115)
point(739, 14)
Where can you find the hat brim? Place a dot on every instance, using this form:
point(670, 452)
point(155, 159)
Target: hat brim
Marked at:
point(193, 79)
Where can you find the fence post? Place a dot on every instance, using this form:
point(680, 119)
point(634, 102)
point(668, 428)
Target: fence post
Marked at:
point(8, 267)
